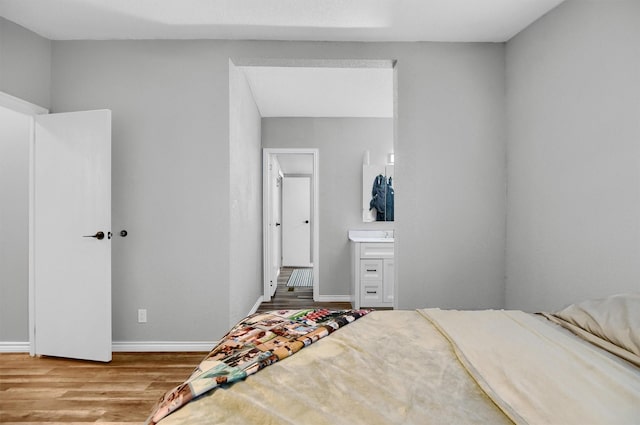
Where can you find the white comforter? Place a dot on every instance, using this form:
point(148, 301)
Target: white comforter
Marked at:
point(396, 367)
point(389, 367)
point(539, 374)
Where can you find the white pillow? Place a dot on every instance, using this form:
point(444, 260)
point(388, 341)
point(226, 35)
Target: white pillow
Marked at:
point(615, 319)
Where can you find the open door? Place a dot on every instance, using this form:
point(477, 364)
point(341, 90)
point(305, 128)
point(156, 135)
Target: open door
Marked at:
point(71, 235)
point(276, 228)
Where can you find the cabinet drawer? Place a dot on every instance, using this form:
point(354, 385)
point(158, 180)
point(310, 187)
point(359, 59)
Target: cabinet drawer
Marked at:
point(376, 250)
point(371, 292)
point(371, 269)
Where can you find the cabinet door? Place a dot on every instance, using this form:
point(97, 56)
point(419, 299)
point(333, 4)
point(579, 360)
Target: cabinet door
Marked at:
point(388, 287)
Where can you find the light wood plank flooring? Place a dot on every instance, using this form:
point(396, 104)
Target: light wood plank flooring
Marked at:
point(53, 391)
point(300, 297)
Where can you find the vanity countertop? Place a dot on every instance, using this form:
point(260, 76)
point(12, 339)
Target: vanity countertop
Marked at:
point(384, 236)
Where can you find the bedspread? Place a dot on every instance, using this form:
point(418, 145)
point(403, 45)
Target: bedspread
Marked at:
point(390, 367)
point(256, 342)
point(539, 373)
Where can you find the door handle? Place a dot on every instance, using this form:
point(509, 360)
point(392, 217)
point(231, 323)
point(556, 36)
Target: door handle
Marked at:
point(277, 224)
point(99, 236)
point(306, 221)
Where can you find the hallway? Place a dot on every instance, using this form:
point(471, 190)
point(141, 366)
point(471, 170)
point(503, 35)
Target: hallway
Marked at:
point(298, 298)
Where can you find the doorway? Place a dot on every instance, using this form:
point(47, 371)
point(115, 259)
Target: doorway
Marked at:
point(16, 282)
point(14, 227)
point(290, 214)
point(319, 89)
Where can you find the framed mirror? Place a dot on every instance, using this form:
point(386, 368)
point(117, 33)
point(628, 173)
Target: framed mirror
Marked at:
point(378, 194)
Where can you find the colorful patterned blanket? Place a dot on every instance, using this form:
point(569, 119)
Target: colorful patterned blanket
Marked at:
point(254, 343)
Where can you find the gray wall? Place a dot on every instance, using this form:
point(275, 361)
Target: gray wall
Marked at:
point(25, 72)
point(245, 159)
point(170, 179)
point(341, 143)
point(171, 175)
point(450, 153)
point(14, 226)
point(572, 97)
point(25, 64)
point(573, 81)
point(171, 171)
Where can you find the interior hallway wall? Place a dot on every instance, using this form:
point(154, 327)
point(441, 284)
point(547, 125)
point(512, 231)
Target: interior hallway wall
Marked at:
point(245, 159)
point(341, 143)
point(573, 94)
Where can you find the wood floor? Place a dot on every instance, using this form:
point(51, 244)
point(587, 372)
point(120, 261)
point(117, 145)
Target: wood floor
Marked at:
point(299, 297)
point(46, 390)
point(53, 391)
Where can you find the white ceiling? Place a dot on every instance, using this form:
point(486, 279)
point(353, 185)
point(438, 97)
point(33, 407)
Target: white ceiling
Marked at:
point(289, 91)
point(326, 20)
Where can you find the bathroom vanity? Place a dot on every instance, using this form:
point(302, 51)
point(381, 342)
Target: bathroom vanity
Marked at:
point(373, 268)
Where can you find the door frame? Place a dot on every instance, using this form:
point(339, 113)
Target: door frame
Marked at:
point(267, 253)
point(27, 108)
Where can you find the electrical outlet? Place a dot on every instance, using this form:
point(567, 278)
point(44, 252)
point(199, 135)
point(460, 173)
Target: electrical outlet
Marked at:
point(142, 315)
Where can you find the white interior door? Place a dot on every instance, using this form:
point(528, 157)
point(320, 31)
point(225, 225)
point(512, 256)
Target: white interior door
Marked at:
point(276, 237)
point(71, 263)
point(274, 223)
point(296, 222)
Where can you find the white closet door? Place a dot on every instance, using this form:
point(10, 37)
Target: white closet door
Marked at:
point(296, 222)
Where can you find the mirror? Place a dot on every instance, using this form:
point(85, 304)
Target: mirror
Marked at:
point(378, 194)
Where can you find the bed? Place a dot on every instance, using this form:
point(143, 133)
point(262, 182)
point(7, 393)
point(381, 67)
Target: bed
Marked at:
point(580, 365)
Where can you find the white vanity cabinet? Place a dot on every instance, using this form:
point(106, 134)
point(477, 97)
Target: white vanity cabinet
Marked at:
point(373, 273)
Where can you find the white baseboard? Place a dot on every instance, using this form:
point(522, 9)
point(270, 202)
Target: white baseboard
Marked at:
point(159, 346)
point(14, 347)
point(170, 346)
point(256, 305)
point(156, 346)
point(333, 298)
point(127, 346)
